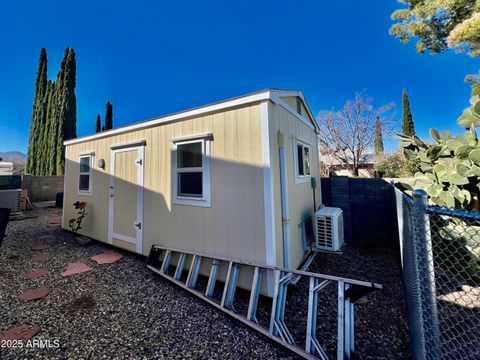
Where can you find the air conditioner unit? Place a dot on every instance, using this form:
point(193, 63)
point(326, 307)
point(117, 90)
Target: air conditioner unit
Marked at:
point(11, 199)
point(329, 229)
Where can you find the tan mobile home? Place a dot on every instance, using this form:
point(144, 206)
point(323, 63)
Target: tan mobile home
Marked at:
point(206, 180)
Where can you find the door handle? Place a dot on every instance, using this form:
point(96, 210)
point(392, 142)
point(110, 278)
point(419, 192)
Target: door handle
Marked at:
point(138, 225)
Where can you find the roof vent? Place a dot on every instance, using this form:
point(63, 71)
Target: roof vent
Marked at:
point(299, 106)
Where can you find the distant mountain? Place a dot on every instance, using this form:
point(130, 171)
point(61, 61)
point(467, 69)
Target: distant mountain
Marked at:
point(16, 157)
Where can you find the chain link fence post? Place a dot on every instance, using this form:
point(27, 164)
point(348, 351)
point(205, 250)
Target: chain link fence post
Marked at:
point(409, 262)
point(426, 275)
point(440, 257)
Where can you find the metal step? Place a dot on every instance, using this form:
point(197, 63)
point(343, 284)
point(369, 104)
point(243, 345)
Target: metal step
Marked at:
point(349, 292)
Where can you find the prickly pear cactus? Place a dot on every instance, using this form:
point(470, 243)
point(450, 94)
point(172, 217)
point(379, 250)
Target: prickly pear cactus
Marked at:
point(471, 116)
point(448, 169)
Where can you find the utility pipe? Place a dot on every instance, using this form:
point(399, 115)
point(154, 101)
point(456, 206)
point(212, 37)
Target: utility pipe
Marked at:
point(282, 148)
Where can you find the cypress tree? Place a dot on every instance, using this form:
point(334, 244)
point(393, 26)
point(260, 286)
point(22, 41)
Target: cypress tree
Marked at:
point(71, 100)
point(45, 130)
point(378, 137)
point(55, 123)
point(62, 114)
point(35, 123)
point(50, 130)
point(67, 110)
point(42, 134)
point(98, 124)
point(109, 116)
point(408, 126)
point(56, 119)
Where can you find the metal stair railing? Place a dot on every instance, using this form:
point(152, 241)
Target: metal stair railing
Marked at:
point(349, 291)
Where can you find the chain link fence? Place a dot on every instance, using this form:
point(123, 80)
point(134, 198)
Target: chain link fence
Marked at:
point(440, 251)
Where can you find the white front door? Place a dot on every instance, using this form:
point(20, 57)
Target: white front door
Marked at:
point(125, 225)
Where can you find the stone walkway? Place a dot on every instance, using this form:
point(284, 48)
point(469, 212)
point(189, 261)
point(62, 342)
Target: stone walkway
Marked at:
point(24, 332)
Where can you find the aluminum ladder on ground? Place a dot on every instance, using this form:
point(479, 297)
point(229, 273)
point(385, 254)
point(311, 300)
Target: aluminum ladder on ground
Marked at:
point(348, 293)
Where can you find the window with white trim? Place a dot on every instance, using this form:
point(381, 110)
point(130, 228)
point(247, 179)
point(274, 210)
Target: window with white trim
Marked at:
point(191, 172)
point(302, 154)
point(85, 183)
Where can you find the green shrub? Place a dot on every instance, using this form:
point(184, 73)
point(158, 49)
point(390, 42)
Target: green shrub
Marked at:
point(394, 165)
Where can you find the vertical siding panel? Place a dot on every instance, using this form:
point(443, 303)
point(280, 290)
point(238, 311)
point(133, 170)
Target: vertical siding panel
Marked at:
point(167, 168)
point(209, 218)
point(219, 185)
point(197, 126)
point(208, 124)
point(187, 127)
point(245, 203)
point(258, 210)
point(232, 185)
point(160, 178)
point(156, 179)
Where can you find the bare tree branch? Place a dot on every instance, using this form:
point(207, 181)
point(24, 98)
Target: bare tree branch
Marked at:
point(348, 134)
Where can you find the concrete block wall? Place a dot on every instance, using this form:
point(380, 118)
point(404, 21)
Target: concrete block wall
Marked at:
point(369, 209)
point(42, 188)
point(340, 187)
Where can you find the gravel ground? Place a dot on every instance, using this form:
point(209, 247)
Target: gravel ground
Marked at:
point(123, 310)
point(381, 330)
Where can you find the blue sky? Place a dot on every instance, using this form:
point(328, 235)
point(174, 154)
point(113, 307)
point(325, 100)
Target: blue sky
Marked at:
point(151, 58)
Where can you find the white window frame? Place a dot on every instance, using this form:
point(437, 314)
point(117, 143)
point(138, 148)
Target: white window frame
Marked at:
point(205, 200)
point(88, 192)
point(301, 179)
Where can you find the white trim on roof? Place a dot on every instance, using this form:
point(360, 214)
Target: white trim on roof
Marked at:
point(242, 100)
